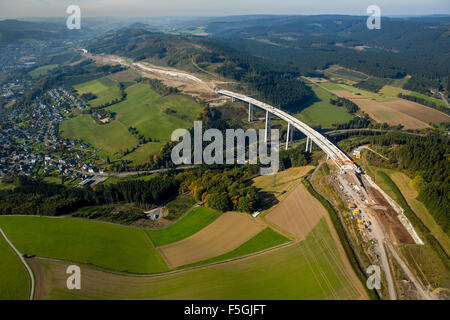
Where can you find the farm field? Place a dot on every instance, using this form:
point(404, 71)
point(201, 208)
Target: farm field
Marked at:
point(310, 269)
point(285, 182)
point(104, 245)
point(14, 278)
point(144, 152)
point(196, 220)
point(111, 138)
point(144, 110)
point(264, 240)
point(225, 234)
point(393, 91)
point(347, 74)
point(298, 214)
point(321, 112)
point(418, 111)
point(105, 89)
point(410, 194)
point(383, 113)
point(43, 70)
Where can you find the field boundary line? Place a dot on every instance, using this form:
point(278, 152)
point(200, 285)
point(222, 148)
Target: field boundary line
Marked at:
point(175, 271)
point(30, 271)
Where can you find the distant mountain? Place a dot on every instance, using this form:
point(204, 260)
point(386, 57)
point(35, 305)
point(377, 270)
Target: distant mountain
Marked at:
point(15, 30)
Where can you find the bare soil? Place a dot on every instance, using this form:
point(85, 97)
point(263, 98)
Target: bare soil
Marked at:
point(389, 220)
point(225, 234)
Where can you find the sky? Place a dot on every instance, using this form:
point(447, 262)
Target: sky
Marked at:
point(164, 8)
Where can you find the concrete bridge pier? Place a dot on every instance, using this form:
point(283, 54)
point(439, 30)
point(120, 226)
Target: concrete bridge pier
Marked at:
point(289, 136)
point(267, 132)
point(250, 112)
point(307, 143)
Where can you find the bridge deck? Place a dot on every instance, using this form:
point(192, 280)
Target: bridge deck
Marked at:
point(335, 154)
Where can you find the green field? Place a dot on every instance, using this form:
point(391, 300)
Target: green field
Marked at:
point(105, 89)
point(105, 245)
point(144, 152)
point(311, 269)
point(144, 110)
point(110, 138)
point(322, 112)
point(264, 240)
point(349, 75)
point(354, 90)
point(42, 71)
point(14, 278)
point(196, 220)
point(394, 91)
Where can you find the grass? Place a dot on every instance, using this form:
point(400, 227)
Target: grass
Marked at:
point(392, 91)
point(101, 244)
point(349, 75)
point(402, 181)
point(196, 220)
point(111, 138)
point(310, 269)
point(144, 152)
point(14, 278)
point(42, 71)
point(144, 110)
point(180, 205)
point(105, 89)
point(345, 241)
point(264, 240)
point(285, 182)
point(322, 112)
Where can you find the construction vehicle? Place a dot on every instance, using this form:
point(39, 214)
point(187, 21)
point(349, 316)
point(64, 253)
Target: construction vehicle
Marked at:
point(356, 211)
point(351, 205)
point(361, 226)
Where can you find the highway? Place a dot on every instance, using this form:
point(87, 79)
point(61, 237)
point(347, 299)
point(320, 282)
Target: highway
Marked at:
point(334, 153)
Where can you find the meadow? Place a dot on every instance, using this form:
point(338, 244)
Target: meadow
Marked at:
point(196, 220)
point(14, 278)
point(310, 269)
point(104, 245)
point(106, 90)
point(321, 112)
point(43, 70)
point(144, 110)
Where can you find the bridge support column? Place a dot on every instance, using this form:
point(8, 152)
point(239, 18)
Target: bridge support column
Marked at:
point(310, 145)
point(289, 136)
point(307, 143)
point(250, 112)
point(267, 132)
point(232, 99)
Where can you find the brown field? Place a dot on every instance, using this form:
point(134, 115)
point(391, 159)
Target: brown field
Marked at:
point(417, 111)
point(347, 94)
point(298, 213)
point(225, 234)
point(381, 112)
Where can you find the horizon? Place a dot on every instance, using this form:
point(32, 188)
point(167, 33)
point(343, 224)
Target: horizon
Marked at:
point(26, 9)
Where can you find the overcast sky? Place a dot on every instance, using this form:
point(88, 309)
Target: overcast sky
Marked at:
point(149, 8)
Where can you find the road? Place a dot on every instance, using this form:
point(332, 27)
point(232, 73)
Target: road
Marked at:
point(30, 272)
point(423, 293)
